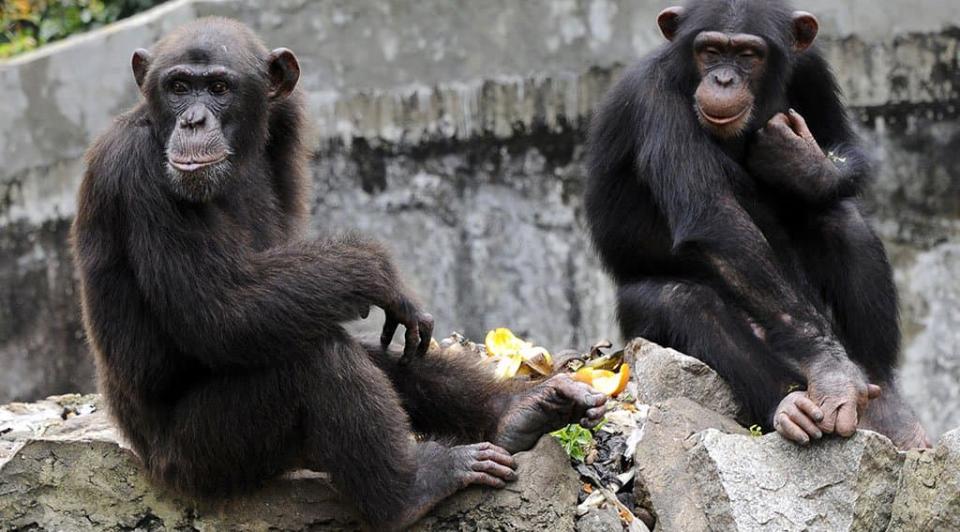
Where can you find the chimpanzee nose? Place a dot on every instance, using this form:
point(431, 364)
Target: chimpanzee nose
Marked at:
point(193, 117)
point(724, 79)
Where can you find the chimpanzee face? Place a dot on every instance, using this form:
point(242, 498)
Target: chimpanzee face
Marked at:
point(209, 105)
point(732, 66)
point(198, 150)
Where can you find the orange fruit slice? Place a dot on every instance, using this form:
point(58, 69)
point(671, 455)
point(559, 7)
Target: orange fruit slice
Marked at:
point(584, 375)
point(611, 383)
point(605, 381)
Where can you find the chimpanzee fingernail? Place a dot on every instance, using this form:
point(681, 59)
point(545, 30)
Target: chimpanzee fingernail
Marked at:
point(793, 111)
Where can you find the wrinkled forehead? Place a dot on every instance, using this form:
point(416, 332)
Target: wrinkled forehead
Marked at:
point(211, 44)
point(769, 19)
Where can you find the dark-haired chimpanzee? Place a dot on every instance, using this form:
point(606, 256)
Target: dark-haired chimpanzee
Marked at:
point(723, 200)
point(218, 329)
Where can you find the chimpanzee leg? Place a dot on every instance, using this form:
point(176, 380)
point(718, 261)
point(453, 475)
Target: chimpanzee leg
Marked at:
point(334, 411)
point(693, 319)
point(450, 396)
point(846, 261)
point(455, 398)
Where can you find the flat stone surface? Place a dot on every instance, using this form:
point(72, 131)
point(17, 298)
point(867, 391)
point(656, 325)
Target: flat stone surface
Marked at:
point(768, 483)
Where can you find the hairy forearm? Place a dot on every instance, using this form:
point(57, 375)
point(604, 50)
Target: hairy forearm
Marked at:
point(746, 268)
point(838, 174)
point(239, 310)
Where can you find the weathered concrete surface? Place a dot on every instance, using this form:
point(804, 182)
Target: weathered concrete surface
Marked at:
point(454, 131)
point(76, 474)
point(768, 483)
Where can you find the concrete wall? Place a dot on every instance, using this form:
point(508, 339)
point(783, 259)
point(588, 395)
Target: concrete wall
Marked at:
point(454, 131)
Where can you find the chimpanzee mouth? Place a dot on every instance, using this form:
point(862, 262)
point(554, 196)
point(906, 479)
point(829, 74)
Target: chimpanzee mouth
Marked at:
point(723, 121)
point(192, 165)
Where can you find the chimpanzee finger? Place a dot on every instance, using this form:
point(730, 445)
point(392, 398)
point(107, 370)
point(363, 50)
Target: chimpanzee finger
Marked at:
point(829, 422)
point(589, 423)
point(596, 412)
point(492, 468)
point(426, 333)
point(790, 430)
point(389, 329)
point(484, 479)
point(501, 458)
point(847, 420)
point(779, 121)
point(874, 392)
point(411, 340)
point(801, 420)
point(809, 408)
point(799, 125)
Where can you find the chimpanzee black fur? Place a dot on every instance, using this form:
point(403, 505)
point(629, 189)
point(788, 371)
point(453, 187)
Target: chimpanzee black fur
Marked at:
point(217, 327)
point(736, 247)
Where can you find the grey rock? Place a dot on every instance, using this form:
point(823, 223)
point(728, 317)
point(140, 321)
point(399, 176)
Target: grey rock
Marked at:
point(599, 520)
point(767, 483)
point(77, 474)
point(929, 493)
point(662, 373)
point(663, 485)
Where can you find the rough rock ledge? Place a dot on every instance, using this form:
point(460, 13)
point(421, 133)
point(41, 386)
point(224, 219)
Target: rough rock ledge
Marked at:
point(64, 467)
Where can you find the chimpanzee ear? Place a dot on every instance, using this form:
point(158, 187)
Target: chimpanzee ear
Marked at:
point(140, 63)
point(284, 73)
point(669, 21)
point(805, 28)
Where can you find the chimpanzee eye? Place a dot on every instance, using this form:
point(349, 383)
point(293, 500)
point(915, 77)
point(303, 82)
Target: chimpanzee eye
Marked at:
point(218, 87)
point(748, 54)
point(712, 52)
point(180, 87)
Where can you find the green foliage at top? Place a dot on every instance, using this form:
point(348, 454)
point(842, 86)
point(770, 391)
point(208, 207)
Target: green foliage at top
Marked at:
point(28, 24)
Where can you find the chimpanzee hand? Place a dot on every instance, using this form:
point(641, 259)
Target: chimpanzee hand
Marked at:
point(785, 152)
point(833, 405)
point(419, 327)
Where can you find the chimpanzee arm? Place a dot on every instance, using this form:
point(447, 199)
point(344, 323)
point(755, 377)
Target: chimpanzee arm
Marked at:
point(811, 151)
point(689, 179)
point(212, 296)
point(120, 322)
point(234, 306)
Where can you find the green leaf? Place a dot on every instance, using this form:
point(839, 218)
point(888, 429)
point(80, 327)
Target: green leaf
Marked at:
point(575, 440)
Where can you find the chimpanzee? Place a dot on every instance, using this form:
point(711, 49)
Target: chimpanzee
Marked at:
point(723, 200)
point(218, 329)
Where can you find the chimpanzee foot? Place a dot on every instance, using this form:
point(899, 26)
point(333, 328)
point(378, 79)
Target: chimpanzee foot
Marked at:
point(556, 402)
point(443, 471)
point(891, 416)
point(796, 418)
